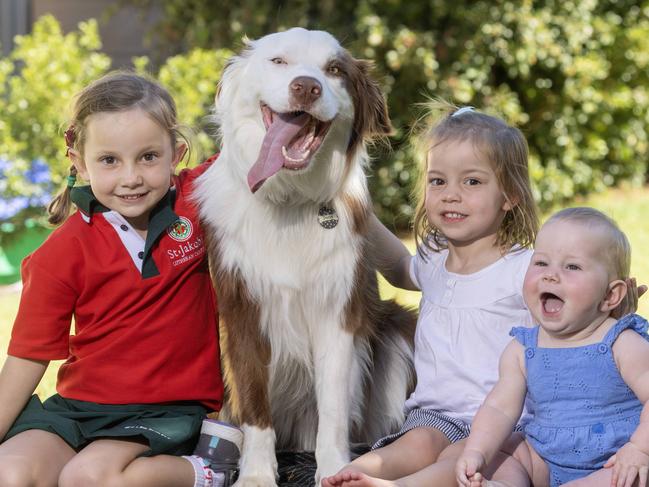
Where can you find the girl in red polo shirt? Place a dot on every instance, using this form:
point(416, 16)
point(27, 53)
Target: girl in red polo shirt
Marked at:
point(142, 365)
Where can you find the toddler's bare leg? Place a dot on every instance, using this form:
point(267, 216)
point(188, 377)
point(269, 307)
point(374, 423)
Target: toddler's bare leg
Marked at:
point(413, 451)
point(439, 474)
point(518, 465)
point(33, 458)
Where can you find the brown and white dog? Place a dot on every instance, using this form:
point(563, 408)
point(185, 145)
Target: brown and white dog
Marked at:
point(314, 359)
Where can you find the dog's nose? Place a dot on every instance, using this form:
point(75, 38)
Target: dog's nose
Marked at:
point(305, 90)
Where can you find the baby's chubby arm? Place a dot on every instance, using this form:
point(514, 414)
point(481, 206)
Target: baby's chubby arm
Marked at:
point(391, 257)
point(18, 380)
point(631, 353)
point(497, 416)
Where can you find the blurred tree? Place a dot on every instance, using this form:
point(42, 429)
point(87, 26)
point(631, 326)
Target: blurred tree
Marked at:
point(192, 78)
point(37, 82)
point(572, 74)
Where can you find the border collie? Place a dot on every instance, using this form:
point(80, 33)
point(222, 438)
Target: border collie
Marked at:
point(314, 359)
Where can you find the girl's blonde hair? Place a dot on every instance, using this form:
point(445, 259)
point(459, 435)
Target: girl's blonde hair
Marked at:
point(114, 92)
point(506, 150)
point(618, 251)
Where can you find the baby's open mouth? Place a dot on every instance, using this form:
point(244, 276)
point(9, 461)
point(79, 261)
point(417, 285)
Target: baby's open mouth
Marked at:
point(551, 303)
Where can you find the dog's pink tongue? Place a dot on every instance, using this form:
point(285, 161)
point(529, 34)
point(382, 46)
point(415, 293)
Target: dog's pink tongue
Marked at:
point(285, 126)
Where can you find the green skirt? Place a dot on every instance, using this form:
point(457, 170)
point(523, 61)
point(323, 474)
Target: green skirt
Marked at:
point(167, 428)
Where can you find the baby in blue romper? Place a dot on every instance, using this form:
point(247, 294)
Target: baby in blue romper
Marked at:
point(585, 374)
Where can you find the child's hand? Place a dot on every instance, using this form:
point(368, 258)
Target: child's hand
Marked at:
point(630, 302)
point(467, 468)
point(628, 463)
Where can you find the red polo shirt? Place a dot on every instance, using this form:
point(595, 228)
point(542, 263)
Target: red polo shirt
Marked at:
point(144, 312)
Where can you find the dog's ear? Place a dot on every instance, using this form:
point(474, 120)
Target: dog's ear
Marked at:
point(371, 117)
point(219, 87)
point(232, 73)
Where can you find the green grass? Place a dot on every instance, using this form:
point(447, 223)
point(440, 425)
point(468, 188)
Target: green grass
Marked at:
point(627, 206)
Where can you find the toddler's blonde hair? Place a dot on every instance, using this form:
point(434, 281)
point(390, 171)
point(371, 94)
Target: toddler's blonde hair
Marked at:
point(506, 150)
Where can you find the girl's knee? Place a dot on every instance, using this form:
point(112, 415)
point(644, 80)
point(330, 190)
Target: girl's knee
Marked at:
point(82, 474)
point(428, 438)
point(76, 474)
point(17, 474)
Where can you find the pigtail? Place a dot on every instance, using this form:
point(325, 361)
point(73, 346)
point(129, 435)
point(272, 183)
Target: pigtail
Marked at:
point(60, 207)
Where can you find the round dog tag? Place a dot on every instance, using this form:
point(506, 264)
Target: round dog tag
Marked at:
point(327, 217)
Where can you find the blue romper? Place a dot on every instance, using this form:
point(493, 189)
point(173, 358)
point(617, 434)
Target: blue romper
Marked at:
point(582, 410)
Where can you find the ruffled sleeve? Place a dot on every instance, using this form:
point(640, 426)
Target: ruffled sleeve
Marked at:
point(524, 335)
point(631, 321)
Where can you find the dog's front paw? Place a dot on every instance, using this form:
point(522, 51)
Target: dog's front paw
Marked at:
point(256, 481)
point(258, 464)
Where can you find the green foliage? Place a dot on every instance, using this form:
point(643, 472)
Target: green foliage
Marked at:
point(192, 79)
point(37, 83)
point(572, 74)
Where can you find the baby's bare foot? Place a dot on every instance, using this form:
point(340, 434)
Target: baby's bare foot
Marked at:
point(359, 479)
point(479, 481)
point(494, 483)
point(335, 480)
point(332, 481)
point(341, 479)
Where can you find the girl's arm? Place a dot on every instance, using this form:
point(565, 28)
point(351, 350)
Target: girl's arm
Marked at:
point(18, 380)
point(392, 258)
point(631, 353)
point(497, 416)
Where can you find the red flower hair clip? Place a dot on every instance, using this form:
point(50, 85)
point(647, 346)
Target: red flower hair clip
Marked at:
point(70, 137)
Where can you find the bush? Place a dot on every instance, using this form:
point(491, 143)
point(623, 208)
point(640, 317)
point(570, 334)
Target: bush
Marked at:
point(572, 74)
point(37, 82)
point(192, 79)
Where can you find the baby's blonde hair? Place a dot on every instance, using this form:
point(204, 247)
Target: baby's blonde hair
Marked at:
point(506, 150)
point(618, 250)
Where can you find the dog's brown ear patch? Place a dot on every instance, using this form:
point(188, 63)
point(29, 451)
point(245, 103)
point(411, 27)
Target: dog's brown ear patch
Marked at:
point(371, 117)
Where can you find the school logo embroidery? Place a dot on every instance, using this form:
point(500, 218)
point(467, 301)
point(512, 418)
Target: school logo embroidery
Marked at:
point(181, 230)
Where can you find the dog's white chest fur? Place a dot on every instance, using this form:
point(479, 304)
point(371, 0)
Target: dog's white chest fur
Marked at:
point(293, 267)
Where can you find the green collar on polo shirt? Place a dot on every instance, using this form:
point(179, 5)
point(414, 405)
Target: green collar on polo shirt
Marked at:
point(83, 197)
point(161, 217)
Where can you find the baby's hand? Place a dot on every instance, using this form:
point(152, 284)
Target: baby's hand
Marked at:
point(628, 463)
point(467, 468)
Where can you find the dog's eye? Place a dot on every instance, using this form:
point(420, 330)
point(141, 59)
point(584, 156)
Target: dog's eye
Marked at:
point(334, 70)
point(278, 60)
